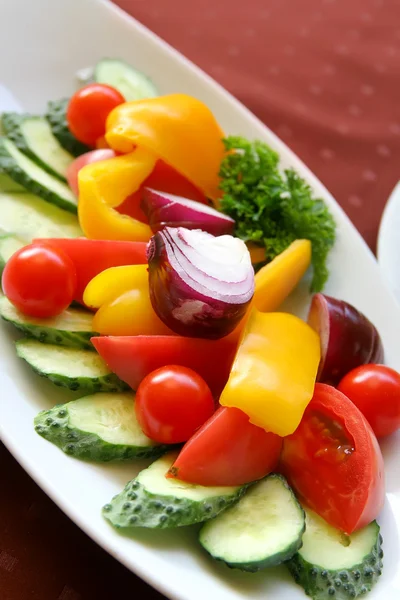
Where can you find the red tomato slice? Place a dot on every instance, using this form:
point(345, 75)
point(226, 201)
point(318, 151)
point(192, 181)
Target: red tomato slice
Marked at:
point(334, 463)
point(227, 450)
point(91, 257)
point(134, 357)
point(165, 179)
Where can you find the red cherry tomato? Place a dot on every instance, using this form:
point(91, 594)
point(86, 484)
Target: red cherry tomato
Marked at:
point(375, 390)
point(39, 281)
point(172, 403)
point(334, 463)
point(82, 161)
point(88, 110)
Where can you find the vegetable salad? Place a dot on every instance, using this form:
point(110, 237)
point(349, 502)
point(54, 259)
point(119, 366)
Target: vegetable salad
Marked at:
point(145, 257)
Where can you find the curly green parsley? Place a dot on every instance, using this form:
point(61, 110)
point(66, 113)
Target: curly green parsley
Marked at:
point(272, 208)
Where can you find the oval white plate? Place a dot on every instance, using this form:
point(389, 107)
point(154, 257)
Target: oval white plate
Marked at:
point(63, 37)
point(388, 250)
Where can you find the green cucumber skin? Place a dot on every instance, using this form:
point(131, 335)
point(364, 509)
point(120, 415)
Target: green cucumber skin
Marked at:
point(11, 123)
point(56, 116)
point(345, 584)
point(53, 425)
point(9, 166)
point(277, 558)
point(136, 507)
point(68, 339)
point(88, 385)
point(49, 335)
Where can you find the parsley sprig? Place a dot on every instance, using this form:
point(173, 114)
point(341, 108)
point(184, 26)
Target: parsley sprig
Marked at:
point(272, 208)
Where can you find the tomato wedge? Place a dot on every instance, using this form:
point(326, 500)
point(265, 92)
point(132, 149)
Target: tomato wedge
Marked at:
point(134, 357)
point(227, 450)
point(334, 463)
point(91, 257)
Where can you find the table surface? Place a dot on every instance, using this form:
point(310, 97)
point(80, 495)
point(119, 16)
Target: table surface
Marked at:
point(322, 74)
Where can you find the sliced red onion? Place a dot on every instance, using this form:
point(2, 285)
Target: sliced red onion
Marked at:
point(168, 210)
point(348, 338)
point(200, 285)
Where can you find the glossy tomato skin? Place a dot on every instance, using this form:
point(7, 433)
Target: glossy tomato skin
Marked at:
point(88, 110)
point(334, 463)
point(375, 390)
point(39, 281)
point(134, 357)
point(91, 257)
point(82, 161)
point(172, 403)
point(227, 450)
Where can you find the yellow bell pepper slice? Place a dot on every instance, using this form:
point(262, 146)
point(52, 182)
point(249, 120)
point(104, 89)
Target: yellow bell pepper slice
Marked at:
point(274, 371)
point(113, 282)
point(177, 128)
point(104, 185)
point(129, 314)
point(275, 281)
point(122, 296)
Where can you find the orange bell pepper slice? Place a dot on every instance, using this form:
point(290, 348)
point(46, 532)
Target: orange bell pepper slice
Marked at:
point(179, 129)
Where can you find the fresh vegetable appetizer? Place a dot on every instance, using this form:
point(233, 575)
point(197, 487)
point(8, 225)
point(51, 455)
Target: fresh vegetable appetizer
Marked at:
point(145, 256)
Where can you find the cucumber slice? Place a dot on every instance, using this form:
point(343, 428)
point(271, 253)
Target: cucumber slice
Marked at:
point(262, 530)
point(56, 116)
point(9, 185)
point(73, 328)
point(331, 564)
point(100, 428)
point(8, 245)
point(132, 84)
point(28, 217)
point(68, 367)
point(34, 179)
point(33, 136)
point(151, 500)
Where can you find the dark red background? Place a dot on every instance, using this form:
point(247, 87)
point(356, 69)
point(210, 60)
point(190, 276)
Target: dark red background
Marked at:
point(324, 75)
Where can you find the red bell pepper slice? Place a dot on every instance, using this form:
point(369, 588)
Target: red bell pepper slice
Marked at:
point(227, 450)
point(134, 357)
point(91, 257)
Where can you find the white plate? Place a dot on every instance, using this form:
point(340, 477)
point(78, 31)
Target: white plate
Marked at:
point(389, 242)
point(43, 44)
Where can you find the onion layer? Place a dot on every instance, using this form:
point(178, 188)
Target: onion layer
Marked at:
point(167, 210)
point(200, 285)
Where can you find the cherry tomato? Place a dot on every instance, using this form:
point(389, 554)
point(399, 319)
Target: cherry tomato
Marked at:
point(88, 110)
point(82, 161)
point(375, 390)
point(334, 463)
point(171, 403)
point(227, 450)
point(39, 281)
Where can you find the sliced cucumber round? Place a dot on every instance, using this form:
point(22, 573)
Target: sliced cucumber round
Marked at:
point(100, 428)
point(34, 179)
point(9, 185)
point(132, 84)
point(56, 116)
point(73, 328)
point(332, 565)
point(34, 137)
point(262, 530)
point(151, 500)
point(70, 368)
point(28, 217)
point(8, 245)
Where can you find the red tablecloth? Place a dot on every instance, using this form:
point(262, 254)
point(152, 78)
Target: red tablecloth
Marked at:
point(324, 75)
